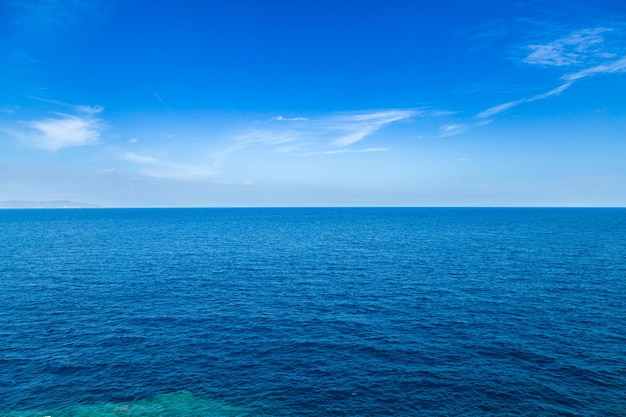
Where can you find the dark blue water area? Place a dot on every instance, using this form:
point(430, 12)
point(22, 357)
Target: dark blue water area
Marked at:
point(313, 312)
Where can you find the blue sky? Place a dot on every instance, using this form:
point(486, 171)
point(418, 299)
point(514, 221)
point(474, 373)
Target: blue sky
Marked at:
point(313, 103)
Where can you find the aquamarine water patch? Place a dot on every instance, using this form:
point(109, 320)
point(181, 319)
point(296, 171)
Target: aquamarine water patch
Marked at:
point(175, 404)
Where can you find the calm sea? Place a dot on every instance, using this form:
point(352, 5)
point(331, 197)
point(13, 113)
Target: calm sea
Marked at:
point(313, 312)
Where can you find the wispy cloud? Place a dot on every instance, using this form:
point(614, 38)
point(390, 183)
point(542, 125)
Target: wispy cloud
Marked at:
point(337, 131)
point(64, 130)
point(491, 111)
point(333, 134)
point(328, 135)
point(90, 110)
point(452, 129)
point(288, 119)
point(611, 67)
point(584, 49)
point(440, 113)
point(358, 126)
point(168, 167)
point(575, 49)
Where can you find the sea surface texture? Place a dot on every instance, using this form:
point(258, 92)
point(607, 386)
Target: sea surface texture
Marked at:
point(313, 312)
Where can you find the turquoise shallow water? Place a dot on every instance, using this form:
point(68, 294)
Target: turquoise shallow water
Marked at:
point(175, 404)
point(313, 312)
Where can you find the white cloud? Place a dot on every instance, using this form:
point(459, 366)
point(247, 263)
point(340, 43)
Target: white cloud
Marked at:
point(76, 125)
point(341, 130)
point(553, 92)
point(483, 123)
point(140, 159)
point(383, 116)
point(267, 137)
point(133, 140)
point(491, 111)
point(64, 131)
point(288, 119)
point(582, 48)
point(452, 129)
point(359, 133)
point(359, 126)
point(440, 113)
point(606, 68)
point(575, 49)
point(89, 109)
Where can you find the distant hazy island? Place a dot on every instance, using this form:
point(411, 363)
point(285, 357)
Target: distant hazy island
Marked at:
point(44, 204)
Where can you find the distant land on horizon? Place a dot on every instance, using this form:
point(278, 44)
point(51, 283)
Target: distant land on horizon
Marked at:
point(45, 204)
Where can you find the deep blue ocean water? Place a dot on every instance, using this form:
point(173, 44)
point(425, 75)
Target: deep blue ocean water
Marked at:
point(313, 312)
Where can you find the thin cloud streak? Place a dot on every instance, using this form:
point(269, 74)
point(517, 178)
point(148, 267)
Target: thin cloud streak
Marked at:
point(360, 126)
point(606, 68)
point(492, 111)
point(288, 119)
point(582, 48)
point(340, 130)
point(452, 129)
point(161, 100)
